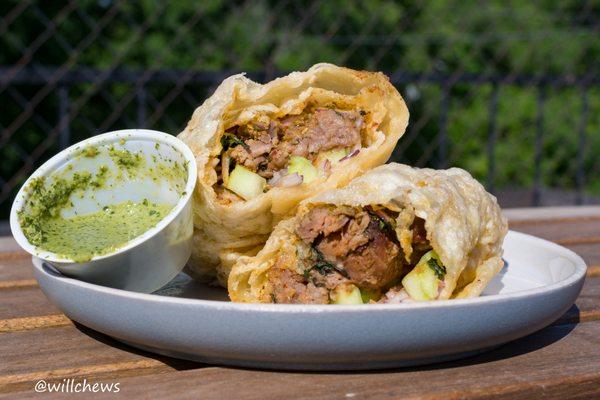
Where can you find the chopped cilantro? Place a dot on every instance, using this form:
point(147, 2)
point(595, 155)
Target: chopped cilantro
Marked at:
point(321, 265)
point(229, 140)
point(383, 224)
point(438, 268)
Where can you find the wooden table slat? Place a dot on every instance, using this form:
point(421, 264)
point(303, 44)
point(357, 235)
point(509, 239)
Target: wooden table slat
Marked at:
point(25, 302)
point(15, 266)
point(68, 347)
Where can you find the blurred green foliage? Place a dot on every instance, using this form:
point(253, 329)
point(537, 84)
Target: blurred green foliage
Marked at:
point(493, 38)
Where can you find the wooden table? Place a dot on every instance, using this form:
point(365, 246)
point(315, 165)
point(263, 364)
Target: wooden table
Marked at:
point(561, 361)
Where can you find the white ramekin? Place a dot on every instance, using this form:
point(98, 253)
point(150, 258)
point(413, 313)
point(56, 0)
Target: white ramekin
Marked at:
point(148, 261)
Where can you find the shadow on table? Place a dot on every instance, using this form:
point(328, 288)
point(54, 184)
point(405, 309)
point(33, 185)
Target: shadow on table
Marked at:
point(535, 341)
point(175, 363)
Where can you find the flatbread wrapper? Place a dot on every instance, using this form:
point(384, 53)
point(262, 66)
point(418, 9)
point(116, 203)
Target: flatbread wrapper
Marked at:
point(224, 232)
point(463, 223)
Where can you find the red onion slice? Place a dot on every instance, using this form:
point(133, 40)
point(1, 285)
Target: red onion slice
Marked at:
point(395, 296)
point(281, 179)
point(290, 180)
point(352, 154)
point(277, 175)
point(325, 166)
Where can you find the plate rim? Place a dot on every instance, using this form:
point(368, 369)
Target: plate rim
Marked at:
point(578, 274)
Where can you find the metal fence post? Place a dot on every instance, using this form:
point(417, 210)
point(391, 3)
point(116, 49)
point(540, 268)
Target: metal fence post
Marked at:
point(140, 94)
point(443, 140)
point(537, 159)
point(64, 133)
point(580, 178)
point(492, 137)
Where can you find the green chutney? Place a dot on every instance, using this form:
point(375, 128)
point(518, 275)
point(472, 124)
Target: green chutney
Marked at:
point(81, 237)
point(84, 236)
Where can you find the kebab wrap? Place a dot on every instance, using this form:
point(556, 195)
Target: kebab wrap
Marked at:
point(261, 149)
point(394, 234)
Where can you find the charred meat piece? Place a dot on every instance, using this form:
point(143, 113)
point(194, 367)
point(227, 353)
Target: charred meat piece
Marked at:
point(320, 220)
point(269, 144)
point(384, 216)
point(365, 250)
point(329, 280)
point(291, 287)
point(254, 154)
point(419, 233)
point(419, 240)
point(324, 129)
point(374, 265)
point(339, 244)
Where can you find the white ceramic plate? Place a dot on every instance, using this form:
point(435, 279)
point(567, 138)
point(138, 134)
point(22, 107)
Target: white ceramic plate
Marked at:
point(192, 321)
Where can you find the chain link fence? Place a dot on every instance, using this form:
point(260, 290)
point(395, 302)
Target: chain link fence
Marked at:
point(507, 90)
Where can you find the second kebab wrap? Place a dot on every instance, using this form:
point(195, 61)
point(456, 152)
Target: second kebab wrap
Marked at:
point(395, 234)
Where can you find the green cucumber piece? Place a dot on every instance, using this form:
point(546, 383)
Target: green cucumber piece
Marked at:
point(429, 283)
point(367, 296)
point(412, 284)
point(422, 283)
point(333, 156)
point(347, 294)
point(302, 167)
point(245, 183)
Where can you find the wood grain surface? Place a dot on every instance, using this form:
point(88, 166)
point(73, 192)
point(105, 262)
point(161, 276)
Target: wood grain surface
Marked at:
point(561, 361)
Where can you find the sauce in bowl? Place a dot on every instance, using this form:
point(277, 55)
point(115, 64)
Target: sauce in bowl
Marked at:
point(84, 236)
point(51, 222)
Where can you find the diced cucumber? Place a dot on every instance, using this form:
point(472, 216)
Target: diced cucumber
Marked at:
point(367, 296)
point(422, 283)
point(429, 283)
point(412, 284)
point(245, 183)
point(347, 294)
point(302, 167)
point(333, 156)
